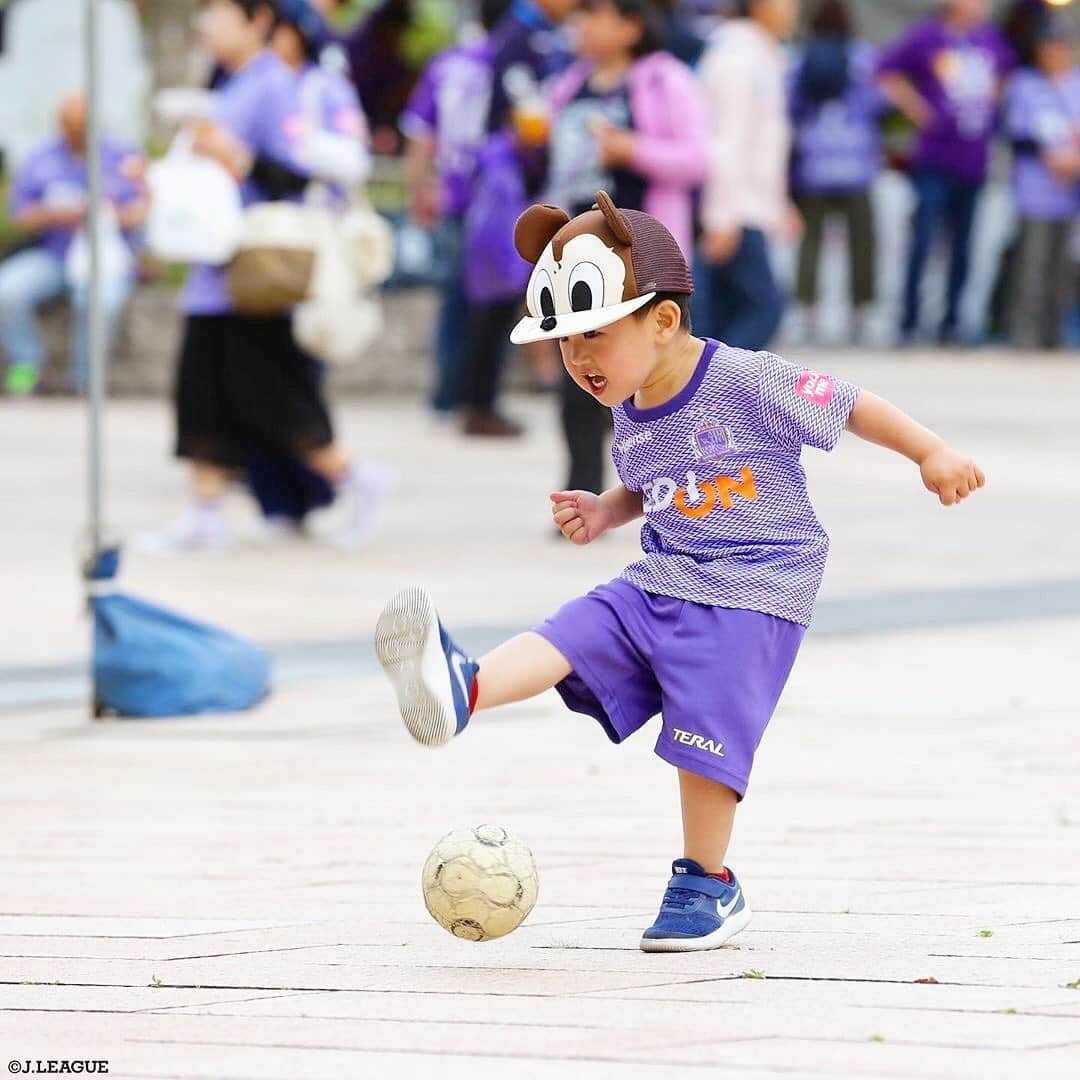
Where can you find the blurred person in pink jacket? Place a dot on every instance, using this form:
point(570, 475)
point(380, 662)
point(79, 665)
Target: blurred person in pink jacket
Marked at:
point(746, 196)
point(629, 119)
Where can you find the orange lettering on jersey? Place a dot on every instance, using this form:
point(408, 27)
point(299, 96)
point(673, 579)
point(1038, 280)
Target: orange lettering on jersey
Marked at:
point(721, 489)
point(695, 512)
point(727, 486)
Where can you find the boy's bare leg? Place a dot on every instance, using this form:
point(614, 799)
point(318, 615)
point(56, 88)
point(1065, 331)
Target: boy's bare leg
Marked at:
point(700, 912)
point(708, 813)
point(519, 669)
point(438, 685)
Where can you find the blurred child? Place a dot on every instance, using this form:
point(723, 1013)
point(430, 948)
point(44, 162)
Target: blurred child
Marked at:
point(629, 118)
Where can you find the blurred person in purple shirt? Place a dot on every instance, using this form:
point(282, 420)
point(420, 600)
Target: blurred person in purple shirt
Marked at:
point(835, 110)
point(1042, 119)
point(445, 123)
point(49, 201)
point(945, 75)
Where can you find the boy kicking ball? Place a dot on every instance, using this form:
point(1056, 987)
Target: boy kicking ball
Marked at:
point(705, 628)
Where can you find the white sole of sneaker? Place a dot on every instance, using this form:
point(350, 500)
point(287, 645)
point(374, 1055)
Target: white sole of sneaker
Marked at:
point(718, 937)
point(408, 647)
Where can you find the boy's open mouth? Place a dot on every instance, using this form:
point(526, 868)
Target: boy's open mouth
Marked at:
point(597, 383)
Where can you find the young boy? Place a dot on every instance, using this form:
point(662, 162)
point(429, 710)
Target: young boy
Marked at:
point(706, 627)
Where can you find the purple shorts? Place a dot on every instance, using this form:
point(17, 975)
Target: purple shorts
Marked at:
point(714, 673)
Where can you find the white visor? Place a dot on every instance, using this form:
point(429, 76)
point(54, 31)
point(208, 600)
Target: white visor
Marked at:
point(531, 328)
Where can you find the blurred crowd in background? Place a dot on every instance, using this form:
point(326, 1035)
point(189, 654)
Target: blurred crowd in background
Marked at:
point(768, 135)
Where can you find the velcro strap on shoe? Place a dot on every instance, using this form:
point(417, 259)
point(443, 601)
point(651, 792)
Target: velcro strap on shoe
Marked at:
point(706, 886)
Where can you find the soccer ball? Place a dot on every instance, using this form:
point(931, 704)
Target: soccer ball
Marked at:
point(480, 883)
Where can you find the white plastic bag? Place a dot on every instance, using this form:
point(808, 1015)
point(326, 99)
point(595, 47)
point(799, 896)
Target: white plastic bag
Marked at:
point(195, 210)
point(114, 256)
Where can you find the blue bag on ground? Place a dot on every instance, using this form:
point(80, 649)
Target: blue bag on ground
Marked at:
point(152, 662)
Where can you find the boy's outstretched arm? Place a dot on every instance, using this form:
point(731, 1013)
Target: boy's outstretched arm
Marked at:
point(949, 475)
point(583, 516)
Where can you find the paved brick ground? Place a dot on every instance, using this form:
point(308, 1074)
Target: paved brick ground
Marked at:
point(238, 897)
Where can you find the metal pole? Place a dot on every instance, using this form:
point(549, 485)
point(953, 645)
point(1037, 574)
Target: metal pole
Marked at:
point(95, 327)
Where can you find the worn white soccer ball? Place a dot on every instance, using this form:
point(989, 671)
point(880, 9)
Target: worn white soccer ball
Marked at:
point(480, 883)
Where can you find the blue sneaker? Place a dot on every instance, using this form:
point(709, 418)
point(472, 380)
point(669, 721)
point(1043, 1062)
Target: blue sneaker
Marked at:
point(698, 912)
point(434, 680)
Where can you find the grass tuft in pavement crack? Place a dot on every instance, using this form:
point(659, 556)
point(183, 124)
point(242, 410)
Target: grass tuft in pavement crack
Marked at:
point(753, 974)
point(986, 933)
point(155, 982)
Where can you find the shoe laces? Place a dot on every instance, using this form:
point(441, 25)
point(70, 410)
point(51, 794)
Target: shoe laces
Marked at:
point(678, 900)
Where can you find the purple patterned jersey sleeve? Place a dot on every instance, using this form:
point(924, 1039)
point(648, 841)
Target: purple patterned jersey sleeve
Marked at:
point(800, 407)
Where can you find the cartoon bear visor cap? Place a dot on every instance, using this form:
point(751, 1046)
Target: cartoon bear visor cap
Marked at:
point(594, 270)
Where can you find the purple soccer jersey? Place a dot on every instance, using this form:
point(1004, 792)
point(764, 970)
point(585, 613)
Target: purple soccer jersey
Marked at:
point(260, 105)
point(729, 521)
point(958, 75)
point(450, 104)
point(1042, 114)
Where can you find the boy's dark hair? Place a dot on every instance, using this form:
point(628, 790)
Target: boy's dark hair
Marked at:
point(681, 300)
point(653, 24)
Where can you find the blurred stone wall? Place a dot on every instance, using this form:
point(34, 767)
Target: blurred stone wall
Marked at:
point(143, 360)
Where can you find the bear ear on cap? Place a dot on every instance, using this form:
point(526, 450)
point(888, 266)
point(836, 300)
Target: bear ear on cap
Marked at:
point(536, 228)
point(615, 221)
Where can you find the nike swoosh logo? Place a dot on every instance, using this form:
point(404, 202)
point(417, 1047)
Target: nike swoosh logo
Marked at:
point(457, 665)
point(726, 910)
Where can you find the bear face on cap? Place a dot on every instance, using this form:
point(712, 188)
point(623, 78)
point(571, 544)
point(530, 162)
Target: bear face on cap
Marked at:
point(586, 270)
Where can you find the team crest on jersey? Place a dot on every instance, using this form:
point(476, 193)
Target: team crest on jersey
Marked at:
point(712, 440)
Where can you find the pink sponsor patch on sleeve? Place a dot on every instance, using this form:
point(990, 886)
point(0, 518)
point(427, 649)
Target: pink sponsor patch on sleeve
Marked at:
point(815, 387)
